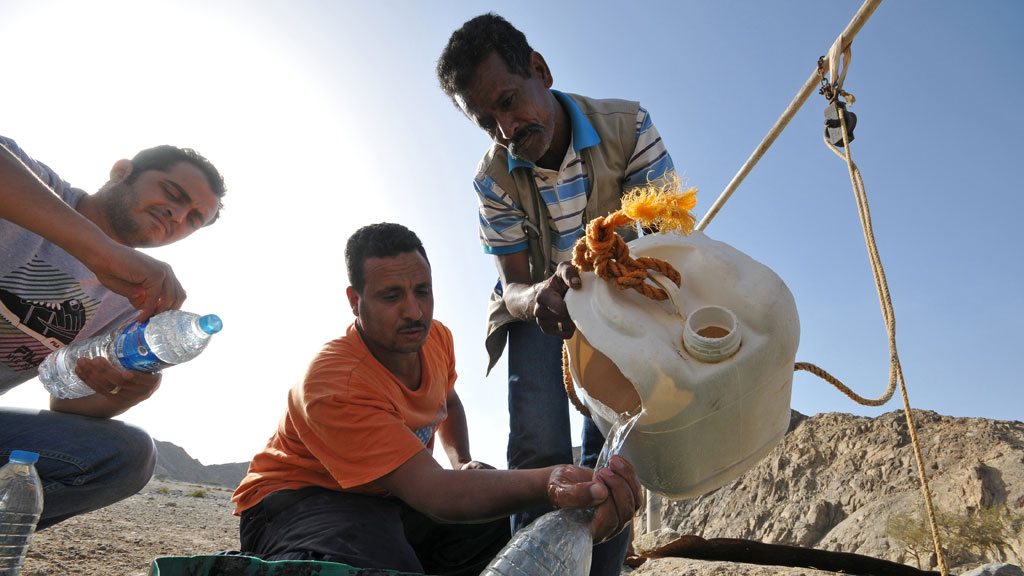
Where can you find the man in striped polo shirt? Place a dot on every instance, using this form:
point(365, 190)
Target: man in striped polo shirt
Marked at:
point(558, 161)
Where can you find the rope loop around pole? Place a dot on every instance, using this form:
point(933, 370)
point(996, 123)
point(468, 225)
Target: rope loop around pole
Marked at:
point(837, 63)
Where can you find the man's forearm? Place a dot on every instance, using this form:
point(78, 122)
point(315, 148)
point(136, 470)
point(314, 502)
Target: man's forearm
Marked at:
point(466, 495)
point(94, 406)
point(520, 299)
point(519, 292)
point(454, 433)
point(26, 201)
point(483, 495)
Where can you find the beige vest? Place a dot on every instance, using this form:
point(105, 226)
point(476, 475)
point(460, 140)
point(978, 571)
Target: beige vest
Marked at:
point(615, 123)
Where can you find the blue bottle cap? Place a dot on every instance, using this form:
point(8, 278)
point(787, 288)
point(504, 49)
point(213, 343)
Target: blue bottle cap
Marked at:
point(24, 457)
point(210, 324)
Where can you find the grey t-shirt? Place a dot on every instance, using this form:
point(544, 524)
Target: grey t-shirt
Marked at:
point(47, 298)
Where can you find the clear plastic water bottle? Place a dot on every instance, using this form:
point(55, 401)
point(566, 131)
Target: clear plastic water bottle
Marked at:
point(556, 544)
point(167, 339)
point(560, 543)
point(21, 503)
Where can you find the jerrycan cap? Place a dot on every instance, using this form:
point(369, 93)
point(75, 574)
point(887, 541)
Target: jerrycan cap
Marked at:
point(712, 333)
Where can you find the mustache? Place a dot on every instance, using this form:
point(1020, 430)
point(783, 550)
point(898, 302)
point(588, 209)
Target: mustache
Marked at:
point(516, 141)
point(414, 324)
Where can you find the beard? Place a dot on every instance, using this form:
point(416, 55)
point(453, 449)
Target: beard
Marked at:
point(121, 200)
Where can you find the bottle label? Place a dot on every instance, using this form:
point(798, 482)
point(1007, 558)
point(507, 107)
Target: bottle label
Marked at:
point(133, 352)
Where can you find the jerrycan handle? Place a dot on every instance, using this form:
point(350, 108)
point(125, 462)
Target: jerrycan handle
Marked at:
point(671, 289)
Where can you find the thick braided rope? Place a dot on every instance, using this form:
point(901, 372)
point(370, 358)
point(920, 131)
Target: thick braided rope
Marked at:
point(605, 253)
point(895, 370)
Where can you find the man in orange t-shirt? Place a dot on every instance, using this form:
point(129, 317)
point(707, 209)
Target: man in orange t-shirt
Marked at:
point(349, 474)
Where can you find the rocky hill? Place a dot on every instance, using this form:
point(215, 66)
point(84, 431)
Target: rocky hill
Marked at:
point(835, 481)
point(173, 463)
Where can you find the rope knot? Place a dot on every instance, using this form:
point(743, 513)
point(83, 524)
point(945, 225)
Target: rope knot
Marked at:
point(658, 205)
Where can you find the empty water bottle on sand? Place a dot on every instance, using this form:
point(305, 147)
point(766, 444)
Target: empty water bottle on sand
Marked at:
point(169, 338)
point(21, 503)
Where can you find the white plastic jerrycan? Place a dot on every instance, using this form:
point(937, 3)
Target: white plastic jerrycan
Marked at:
point(712, 366)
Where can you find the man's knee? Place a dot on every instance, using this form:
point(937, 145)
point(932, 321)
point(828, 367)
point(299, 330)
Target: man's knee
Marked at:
point(139, 458)
point(119, 466)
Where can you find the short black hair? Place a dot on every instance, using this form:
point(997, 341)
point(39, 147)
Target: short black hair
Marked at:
point(474, 42)
point(382, 240)
point(165, 157)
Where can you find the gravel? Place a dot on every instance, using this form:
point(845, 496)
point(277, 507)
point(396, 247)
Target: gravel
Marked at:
point(165, 519)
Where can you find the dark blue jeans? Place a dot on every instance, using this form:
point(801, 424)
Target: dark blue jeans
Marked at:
point(539, 430)
point(84, 463)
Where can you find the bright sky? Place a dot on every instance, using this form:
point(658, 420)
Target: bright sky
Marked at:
point(325, 116)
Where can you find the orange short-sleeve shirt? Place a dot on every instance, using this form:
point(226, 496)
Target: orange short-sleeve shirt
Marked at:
point(349, 421)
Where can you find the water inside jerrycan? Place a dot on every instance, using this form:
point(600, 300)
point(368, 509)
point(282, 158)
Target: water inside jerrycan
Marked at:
point(711, 367)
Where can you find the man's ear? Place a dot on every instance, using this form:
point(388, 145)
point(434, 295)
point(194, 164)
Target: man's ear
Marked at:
point(539, 68)
point(121, 170)
point(353, 300)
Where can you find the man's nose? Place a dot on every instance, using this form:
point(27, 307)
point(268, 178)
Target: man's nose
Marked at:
point(176, 213)
point(507, 126)
point(411, 309)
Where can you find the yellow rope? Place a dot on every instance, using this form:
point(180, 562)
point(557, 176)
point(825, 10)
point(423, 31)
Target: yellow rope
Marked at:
point(601, 250)
point(895, 370)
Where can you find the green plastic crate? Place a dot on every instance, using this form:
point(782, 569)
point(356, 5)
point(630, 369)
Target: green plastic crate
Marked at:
point(249, 566)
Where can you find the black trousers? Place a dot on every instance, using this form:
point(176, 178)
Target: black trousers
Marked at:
point(366, 532)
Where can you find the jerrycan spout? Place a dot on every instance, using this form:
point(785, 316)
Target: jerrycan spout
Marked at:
point(712, 334)
point(711, 367)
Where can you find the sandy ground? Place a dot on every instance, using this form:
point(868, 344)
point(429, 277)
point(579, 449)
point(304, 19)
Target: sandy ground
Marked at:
point(177, 519)
point(164, 519)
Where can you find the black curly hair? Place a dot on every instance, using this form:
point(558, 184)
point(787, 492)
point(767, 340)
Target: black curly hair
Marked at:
point(382, 240)
point(472, 43)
